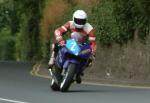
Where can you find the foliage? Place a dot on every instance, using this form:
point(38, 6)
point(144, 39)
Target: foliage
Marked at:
point(131, 15)
point(104, 21)
point(117, 20)
point(4, 14)
point(7, 43)
point(114, 20)
point(8, 27)
point(22, 17)
point(30, 29)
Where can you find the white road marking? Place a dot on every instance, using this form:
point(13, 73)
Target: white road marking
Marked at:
point(11, 101)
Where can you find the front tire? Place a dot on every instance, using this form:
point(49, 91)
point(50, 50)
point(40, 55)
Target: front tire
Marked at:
point(68, 78)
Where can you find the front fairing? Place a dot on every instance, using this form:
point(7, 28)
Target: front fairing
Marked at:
point(85, 51)
point(82, 50)
point(61, 57)
point(66, 56)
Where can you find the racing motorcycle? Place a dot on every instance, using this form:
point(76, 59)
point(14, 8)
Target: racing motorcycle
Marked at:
point(71, 60)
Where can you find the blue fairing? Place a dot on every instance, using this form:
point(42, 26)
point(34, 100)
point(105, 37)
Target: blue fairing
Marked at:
point(73, 53)
point(60, 59)
point(85, 47)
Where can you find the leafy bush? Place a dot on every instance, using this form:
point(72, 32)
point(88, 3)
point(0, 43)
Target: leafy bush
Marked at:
point(117, 20)
point(7, 46)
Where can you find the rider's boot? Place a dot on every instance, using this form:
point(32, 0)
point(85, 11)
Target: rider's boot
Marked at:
point(78, 79)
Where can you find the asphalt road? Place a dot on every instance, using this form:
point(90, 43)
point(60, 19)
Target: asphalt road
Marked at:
point(18, 86)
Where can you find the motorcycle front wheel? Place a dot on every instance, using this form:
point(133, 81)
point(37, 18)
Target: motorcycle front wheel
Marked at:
point(68, 78)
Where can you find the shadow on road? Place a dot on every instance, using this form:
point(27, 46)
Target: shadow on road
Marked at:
point(88, 91)
point(109, 90)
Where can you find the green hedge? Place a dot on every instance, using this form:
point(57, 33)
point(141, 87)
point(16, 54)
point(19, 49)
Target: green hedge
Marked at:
point(7, 46)
point(117, 20)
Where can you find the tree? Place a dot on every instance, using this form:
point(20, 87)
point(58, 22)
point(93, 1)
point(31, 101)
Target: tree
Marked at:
point(30, 18)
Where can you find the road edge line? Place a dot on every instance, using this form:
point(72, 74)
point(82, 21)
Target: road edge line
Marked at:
point(35, 70)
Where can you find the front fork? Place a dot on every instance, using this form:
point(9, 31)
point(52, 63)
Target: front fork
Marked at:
point(56, 74)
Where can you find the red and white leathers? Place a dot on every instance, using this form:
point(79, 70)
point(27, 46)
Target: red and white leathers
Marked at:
point(86, 33)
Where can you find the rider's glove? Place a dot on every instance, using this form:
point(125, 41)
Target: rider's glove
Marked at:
point(93, 53)
point(62, 43)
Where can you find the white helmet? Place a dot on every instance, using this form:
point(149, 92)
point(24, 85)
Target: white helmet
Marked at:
point(79, 18)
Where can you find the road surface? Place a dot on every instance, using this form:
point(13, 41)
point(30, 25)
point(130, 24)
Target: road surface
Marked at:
point(17, 85)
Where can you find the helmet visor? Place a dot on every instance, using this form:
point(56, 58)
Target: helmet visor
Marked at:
point(79, 21)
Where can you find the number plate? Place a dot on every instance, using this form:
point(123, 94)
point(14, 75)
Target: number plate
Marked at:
point(73, 46)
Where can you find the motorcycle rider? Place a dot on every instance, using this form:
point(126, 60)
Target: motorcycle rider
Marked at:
point(80, 25)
